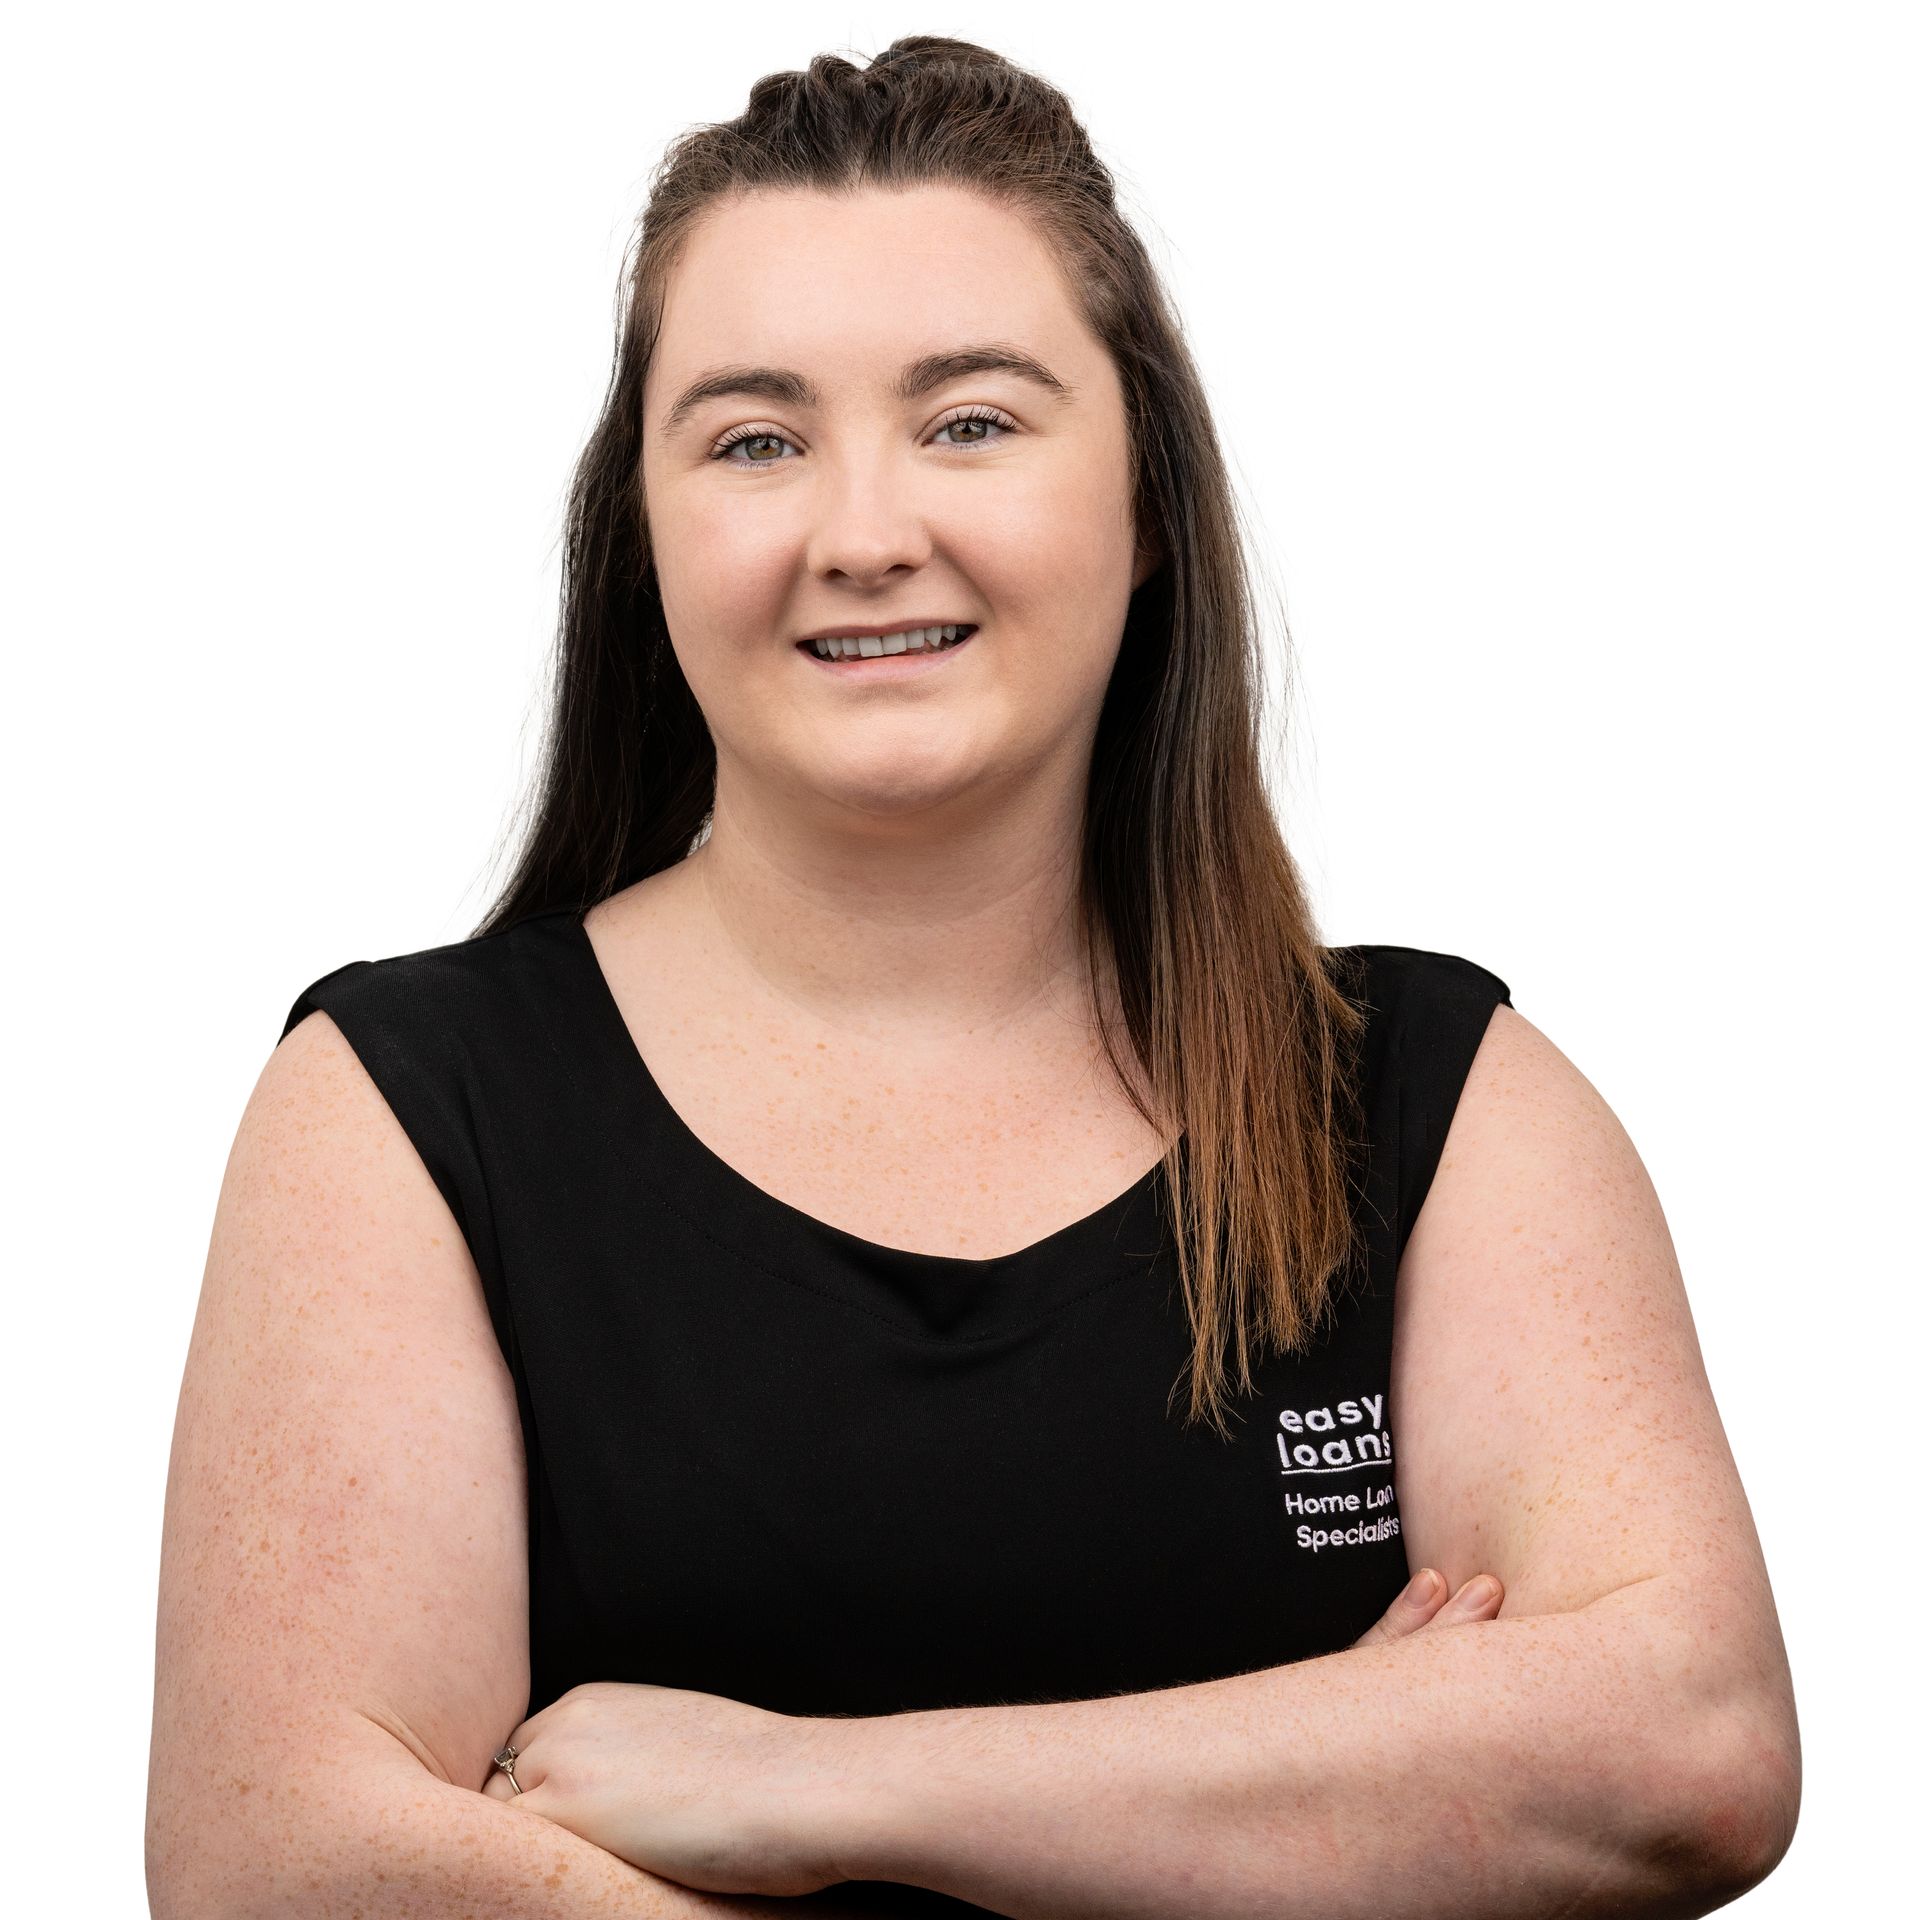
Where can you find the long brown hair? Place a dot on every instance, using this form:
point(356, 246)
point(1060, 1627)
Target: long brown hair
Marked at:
point(1189, 902)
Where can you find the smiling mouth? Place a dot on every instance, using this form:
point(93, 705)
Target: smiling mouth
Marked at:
point(921, 643)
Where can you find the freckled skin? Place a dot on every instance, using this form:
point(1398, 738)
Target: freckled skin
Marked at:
point(342, 1626)
point(325, 1717)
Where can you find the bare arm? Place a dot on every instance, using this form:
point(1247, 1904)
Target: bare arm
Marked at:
point(1622, 1740)
point(1505, 1770)
point(342, 1634)
point(344, 1823)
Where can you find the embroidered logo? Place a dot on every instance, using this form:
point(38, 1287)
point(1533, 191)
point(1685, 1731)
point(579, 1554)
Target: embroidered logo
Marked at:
point(1316, 1442)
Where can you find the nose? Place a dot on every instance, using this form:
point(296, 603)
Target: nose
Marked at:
point(867, 522)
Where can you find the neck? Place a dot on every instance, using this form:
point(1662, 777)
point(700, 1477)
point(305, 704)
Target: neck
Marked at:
point(890, 932)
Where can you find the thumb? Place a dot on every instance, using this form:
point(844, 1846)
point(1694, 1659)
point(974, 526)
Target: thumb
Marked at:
point(1417, 1603)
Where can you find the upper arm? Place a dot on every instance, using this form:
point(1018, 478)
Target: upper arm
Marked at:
point(1552, 1419)
point(345, 1534)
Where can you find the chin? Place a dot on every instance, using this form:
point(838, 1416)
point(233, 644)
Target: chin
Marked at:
point(885, 803)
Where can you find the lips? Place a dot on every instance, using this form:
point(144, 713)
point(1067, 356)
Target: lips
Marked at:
point(916, 625)
point(888, 666)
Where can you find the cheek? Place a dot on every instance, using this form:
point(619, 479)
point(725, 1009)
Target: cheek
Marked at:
point(703, 554)
point(1058, 569)
point(1042, 545)
point(1052, 672)
point(723, 577)
point(1069, 526)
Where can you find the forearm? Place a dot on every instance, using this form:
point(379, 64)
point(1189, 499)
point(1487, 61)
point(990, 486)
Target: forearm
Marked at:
point(1547, 1765)
point(367, 1831)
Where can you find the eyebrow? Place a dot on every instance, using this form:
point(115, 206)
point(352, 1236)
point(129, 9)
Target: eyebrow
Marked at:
point(917, 377)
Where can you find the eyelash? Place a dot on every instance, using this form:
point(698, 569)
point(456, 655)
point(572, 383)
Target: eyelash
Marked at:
point(740, 434)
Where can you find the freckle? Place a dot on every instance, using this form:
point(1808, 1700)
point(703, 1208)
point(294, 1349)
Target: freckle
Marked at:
point(353, 1479)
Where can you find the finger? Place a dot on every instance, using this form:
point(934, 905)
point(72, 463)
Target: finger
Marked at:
point(501, 1784)
point(1480, 1599)
point(529, 1799)
point(1411, 1611)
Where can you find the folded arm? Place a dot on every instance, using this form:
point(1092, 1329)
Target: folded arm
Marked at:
point(1621, 1740)
point(1551, 1765)
point(342, 1632)
point(344, 1823)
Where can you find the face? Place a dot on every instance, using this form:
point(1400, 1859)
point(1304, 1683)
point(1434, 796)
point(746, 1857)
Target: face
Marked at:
point(867, 486)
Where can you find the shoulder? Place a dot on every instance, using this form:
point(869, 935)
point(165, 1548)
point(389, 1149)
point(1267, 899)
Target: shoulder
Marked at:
point(430, 993)
point(453, 1040)
point(363, 1035)
point(345, 1116)
point(1397, 981)
point(425, 1063)
point(1424, 1016)
point(1525, 1108)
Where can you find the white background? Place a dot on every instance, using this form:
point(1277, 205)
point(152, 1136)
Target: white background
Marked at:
point(1566, 360)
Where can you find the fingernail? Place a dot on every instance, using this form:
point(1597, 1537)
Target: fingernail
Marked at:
point(1479, 1592)
point(1422, 1587)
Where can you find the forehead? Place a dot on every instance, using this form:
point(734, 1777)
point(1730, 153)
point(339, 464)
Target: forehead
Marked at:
point(847, 288)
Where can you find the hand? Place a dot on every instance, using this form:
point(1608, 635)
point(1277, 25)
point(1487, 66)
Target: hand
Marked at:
point(699, 1789)
point(1407, 1616)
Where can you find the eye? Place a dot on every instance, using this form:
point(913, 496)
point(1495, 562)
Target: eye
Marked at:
point(987, 416)
point(739, 437)
point(968, 417)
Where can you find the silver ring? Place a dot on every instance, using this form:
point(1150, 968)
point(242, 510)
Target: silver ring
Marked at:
point(504, 1760)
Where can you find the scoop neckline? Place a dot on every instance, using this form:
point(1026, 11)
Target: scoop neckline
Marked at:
point(1101, 1228)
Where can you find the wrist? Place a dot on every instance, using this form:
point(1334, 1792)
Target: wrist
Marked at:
point(854, 1811)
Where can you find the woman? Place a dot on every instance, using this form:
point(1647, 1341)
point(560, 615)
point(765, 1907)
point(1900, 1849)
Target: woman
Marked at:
point(864, 1339)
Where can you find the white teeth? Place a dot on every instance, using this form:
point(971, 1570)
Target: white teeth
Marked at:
point(872, 646)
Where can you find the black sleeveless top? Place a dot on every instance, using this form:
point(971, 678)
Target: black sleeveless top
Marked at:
point(771, 1460)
